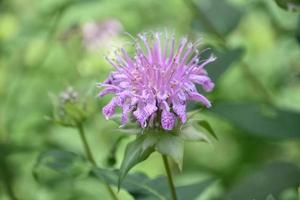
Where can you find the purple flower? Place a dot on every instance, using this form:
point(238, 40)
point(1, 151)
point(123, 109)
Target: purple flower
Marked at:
point(157, 83)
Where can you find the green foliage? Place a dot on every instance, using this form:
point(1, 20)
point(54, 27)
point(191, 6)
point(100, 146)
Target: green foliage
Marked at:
point(135, 152)
point(224, 60)
point(142, 187)
point(261, 121)
point(293, 5)
point(271, 179)
point(208, 15)
point(55, 166)
point(169, 143)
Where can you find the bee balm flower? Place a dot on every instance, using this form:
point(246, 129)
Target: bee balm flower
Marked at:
point(157, 83)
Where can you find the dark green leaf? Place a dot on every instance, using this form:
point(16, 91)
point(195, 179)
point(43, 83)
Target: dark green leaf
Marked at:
point(142, 187)
point(298, 31)
point(291, 5)
point(172, 146)
point(190, 133)
point(252, 118)
point(137, 184)
point(192, 191)
point(207, 127)
point(135, 153)
point(209, 13)
point(272, 179)
point(56, 165)
point(223, 61)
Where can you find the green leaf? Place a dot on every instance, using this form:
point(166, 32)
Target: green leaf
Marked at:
point(189, 191)
point(291, 5)
point(55, 165)
point(135, 153)
point(271, 179)
point(252, 118)
point(209, 13)
point(223, 61)
point(137, 184)
point(207, 127)
point(190, 133)
point(141, 187)
point(298, 31)
point(172, 146)
point(192, 191)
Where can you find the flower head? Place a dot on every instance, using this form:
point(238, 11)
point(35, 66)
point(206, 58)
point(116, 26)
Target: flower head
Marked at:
point(158, 82)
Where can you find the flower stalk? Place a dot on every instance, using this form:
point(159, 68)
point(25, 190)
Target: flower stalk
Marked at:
point(170, 178)
point(91, 158)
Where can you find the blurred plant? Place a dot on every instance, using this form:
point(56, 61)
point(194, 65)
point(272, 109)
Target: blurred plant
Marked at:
point(154, 88)
point(69, 110)
point(72, 111)
point(98, 34)
point(290, 5)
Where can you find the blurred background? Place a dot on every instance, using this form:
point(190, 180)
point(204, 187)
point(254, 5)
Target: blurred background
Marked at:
point(47, 46)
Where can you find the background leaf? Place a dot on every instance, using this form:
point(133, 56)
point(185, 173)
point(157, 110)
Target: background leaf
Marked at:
point(211, 12)
point(292, 5)
point(224, 60)
point(278, 124)
point(56, 165)
point(271, 179)
point(141, 187)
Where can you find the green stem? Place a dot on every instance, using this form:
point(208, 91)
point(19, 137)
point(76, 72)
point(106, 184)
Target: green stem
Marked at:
point(170, 178)
point(90, 157)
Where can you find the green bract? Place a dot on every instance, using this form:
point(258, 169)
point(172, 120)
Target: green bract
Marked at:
point(168, 143)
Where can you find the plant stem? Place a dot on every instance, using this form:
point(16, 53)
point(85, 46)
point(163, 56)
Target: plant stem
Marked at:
point(170, 178)
point(90, 156)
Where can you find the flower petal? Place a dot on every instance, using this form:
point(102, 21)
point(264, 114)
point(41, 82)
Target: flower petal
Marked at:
point(107, 91)
point(198, 97)
point(141, 116)
point(179, 109)
point(126, 109)
point(168, 120)
point(110, 108)
point(203, 80)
